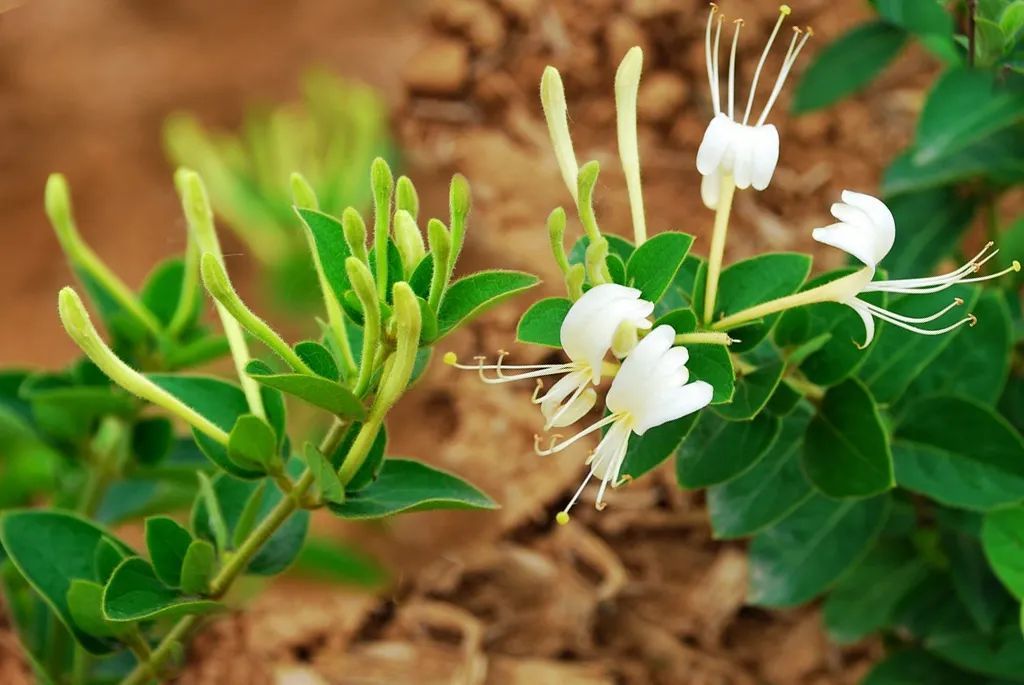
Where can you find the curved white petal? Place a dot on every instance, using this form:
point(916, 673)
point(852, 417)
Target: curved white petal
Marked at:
point(882, 220)
point(849, 238)
point(574, 410)
point(766, 155)
point(589, 327)
point(606, 461)
point(865, 317)
point(717, 138)
point(743, 157)
point(636, 375)
point(711, 188)
point(675, 405)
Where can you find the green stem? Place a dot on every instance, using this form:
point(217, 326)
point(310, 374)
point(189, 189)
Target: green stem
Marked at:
point(360, 449)
point(80, 665)
point(189, 289)
point(105, 462)
point(717, 252)
point(221, 583)
point(815, 392)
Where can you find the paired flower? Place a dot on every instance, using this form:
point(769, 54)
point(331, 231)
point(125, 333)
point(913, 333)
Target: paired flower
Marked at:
point(650, 387)
point(732, 147)
point(607, 317)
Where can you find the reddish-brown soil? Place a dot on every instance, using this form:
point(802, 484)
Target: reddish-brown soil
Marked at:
point(638, 593)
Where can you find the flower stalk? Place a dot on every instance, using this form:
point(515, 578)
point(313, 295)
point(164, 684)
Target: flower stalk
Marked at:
point(718, 239)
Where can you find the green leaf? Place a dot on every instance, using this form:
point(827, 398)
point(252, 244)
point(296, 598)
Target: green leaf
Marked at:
point(1002, 537)
point(329, 248)
point(31, 539)
point(998, 159)
point(167, 542)
point(222, 403)
point(134, 593)
point(318, 358)
point(326, 478)
point(931, 223)
point(428, 322)
point(754, 387)
point(899, 355)
point(252, 444)
point(769, 491)
point(917, 667)
point(472, 295)
point(161, 293)
point(152, 439)
point(964, 106)
point(976, 362)
point(207, 514)
point(85, 602)
point(846, 450)
point(681, 320)
point(866, 598)
point(712, 364)
point(319, 392)
point(979, 590)
point(370, 469)
point(753, 281)
point(806, 552)
point(647, 451)
point(999, 655)
point(250, 515)
point(107, 556)
point(847, 65)
point(406, 485)
point(542, 322)
point(917, 16)
point(653, 266)
point(979, 468)
point(198, 567)
point(719, 450)
point(232, 496)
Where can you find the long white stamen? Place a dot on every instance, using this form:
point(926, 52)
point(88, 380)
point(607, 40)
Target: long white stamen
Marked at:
point(787, 64)
point(875, 309)
point(556, 446)
point(712, 81)
point(971, 266)
point(947, 282)
point(715, 90)
point(886, 316)
point(532, 370)
point(783, 12)
point(612, 474)
point(732, 69)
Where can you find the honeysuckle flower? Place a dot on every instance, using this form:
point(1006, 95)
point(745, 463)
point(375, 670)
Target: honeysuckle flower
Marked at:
point(866, 230)
point(650, 388)
point(733, 147)
point(606, 318)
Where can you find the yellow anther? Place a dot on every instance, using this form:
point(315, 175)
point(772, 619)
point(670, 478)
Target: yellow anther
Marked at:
point(810, 31)
point(785, 10)
point(958, 301)
point(450, 358)
point(1016, 265)
point(972, 319)
point(562, 518)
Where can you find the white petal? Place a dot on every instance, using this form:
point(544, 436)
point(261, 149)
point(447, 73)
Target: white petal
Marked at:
point(849, 238)
point(766, 155)
point(590, 325)
point(563, 388)
point(865, 317)
point(635, 376)
point(604, 465)
point(717, 139)
point(743, 165)
point(675, 405)
point(881, 220)
point(710, 189)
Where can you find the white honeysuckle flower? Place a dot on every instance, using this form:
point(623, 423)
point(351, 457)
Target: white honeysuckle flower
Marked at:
point(748, 152)
point(607, 317)
point(650, 388)
point(866, 229)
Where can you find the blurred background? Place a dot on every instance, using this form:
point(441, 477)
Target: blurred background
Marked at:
point(115, 93)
